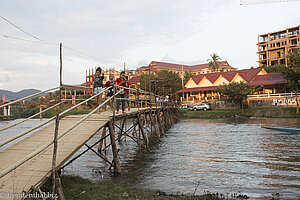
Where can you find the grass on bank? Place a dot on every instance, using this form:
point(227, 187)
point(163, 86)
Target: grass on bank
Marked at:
point(272, 112)
point(78, 188)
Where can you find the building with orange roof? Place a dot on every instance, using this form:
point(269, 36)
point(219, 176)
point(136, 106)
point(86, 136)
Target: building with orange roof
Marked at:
point(204, 86)
point(180, 68)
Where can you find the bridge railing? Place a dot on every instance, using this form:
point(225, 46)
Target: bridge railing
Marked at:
point(62, 114)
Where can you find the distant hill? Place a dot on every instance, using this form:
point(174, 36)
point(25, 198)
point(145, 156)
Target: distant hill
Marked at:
point(9, 95)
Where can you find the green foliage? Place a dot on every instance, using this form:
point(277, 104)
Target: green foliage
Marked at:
point(162, 83)
point(76, 187)
point(144, 82)
point(187, 75)
point(270, 112)
point(292, 72)
point(236, 90)
point(294, 60)
point(213, 62)
point(274, 68)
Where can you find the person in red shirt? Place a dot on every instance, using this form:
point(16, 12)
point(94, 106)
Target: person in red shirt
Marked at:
point(110, 92)
point(122, 81)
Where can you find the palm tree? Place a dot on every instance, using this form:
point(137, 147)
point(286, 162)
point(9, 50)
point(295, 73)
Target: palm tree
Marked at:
point(213, 62)
point(187, 75)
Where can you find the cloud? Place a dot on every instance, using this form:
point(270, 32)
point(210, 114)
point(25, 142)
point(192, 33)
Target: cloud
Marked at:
point(133, 31)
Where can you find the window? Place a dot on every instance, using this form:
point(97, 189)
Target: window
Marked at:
point(278, 54)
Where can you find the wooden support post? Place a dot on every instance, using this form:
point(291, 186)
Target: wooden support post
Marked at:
point(157, 131)
point(151, 121)
point(164, 119)
point(101, 140)
point(121, 130)
point(100, 155)
point(117, 168)
point(41, 116)
point(171, 118)
point(146, 122)
point(177, 115)
point(141, 128)
point(159, 121)
point(56, 187)
point(138, 137)
point(59, 189)
point(105, 147)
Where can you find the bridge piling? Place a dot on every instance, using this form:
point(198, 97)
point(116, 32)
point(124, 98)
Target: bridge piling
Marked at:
point(158, 117)
point(76, 131)
point(116, 161)
point(101, 139)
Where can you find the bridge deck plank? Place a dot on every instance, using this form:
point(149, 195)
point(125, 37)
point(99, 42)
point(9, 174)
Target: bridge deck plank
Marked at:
point(37, 169)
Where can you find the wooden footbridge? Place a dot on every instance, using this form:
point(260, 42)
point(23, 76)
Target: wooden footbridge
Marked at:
point(28, 164)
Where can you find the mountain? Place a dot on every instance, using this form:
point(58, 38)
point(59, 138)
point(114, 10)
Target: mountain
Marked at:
point(9, 95)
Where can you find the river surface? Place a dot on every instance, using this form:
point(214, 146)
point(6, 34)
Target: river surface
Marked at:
point(218, 155)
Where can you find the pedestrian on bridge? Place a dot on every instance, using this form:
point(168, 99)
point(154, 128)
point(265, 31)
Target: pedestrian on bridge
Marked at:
point(110, 92)
point(98, 85)
point(122, 96)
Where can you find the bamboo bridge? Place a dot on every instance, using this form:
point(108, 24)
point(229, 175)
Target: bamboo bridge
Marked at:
point(37, 159)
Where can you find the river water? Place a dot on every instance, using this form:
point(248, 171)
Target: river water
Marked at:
point(219, 155)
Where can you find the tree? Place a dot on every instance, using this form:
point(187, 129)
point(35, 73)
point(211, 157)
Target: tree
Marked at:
point(236, 90)
point(274, 68)
point(187, 75)
point(292, 72)
point(144, 82)
point(162, 83)
point(213, 62)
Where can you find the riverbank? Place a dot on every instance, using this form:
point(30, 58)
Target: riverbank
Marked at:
point(274, 112)
point(76, 187)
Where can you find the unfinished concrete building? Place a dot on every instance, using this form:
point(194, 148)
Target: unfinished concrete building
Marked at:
point(274, 47)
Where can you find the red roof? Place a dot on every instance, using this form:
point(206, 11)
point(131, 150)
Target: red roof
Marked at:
point(134, 80)
point(185, 67)
point(247, 74)
point(229, 75)
point(196, 89)
point(268, 79)
point(198, 78)
point(143, 68)
point(250, 75)
point(213, 76)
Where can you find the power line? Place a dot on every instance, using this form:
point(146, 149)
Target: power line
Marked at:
point(25, 40)
point(76, 52)
point(24, 31)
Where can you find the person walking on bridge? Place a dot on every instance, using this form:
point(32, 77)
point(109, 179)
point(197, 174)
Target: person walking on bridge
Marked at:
point(110, 92)
point(98, 85)
point(122, 96)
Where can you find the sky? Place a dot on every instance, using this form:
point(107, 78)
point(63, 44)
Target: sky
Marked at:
point(135, 32)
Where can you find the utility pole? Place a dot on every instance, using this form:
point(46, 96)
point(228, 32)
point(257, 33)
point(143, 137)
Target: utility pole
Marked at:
point(149, 89)
point(56, 184)
point(182, 79)
point(182, 75)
